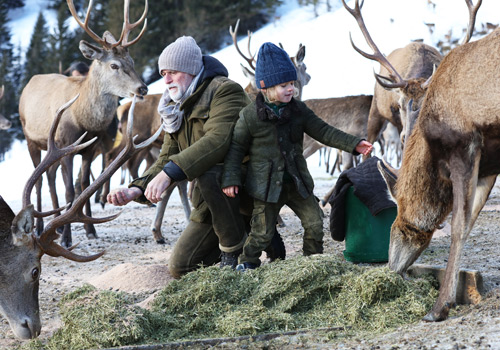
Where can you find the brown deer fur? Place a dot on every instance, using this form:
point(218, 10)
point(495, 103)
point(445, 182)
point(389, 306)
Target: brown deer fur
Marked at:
point(450, 161)
point(111, 74)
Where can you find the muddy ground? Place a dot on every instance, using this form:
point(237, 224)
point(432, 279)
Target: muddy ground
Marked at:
point(130, 249)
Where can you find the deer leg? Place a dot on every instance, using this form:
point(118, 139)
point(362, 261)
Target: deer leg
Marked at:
point(67, 173)
point(374, 126)
point(51, 179)
point(464, 177)
point(347, 160)
point(182, 187)
point(36, 157)
point(160, 212)
point(86, 162)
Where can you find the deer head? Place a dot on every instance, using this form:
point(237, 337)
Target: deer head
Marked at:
point(414, 87)
point(21, 250)
point(112, 59)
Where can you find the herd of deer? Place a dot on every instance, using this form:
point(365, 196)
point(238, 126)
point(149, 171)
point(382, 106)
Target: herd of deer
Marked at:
point(444, 108)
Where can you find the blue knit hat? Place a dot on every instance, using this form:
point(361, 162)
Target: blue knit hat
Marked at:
point(274, 67)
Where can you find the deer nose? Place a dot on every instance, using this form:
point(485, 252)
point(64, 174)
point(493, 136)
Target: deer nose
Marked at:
point(143, 90)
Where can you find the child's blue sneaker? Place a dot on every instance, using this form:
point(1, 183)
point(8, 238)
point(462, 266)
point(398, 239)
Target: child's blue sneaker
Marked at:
point(246, 266)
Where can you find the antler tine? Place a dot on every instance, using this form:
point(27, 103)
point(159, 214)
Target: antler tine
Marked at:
point(85, 25)
point(377, 54)
point(235, 42)
point(2, 91)
point(472, 19)
point(53, 155)
point(75, 213)
point(127, 26)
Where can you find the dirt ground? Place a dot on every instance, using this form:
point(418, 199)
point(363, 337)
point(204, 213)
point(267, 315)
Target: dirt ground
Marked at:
point(131, 251)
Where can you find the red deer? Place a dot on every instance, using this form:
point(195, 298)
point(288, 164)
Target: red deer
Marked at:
point(349, 114)
point(21, 249)
point(450, 162)
point(147, 121)
point(111, 75)
point(4, 122)
point(404, 75)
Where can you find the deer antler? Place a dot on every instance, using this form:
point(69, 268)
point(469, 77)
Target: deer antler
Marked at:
point(75, 212)
point(472, 19)
point(398, 82)
point(250, 59)
point(127, 26)
point(85, 24)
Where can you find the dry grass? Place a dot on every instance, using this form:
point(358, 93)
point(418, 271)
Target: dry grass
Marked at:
point(299, 293)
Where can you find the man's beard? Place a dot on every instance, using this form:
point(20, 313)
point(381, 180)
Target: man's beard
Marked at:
point(179, 92)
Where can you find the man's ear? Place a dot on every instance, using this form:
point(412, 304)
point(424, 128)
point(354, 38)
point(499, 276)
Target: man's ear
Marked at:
point(90, 51)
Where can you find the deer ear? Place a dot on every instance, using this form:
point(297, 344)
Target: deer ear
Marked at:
point(246, 72)
point(22, 226)
point(301, 53)
point(390, 176)
point(90, 51)
point(6, 218)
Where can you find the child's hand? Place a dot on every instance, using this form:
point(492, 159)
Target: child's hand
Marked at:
point(364, 147)
point(230, 191)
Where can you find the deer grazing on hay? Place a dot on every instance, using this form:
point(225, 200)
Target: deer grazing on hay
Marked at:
point(404, 75)
point(21, 249)
point(450, 162)
point(4, 122)
point(147, 120)
point(111, 75)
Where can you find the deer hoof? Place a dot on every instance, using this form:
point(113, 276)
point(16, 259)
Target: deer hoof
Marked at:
point(92, 235)
point(161, 241)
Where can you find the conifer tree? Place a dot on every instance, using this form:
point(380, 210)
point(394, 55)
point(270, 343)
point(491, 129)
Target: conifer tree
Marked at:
point(38, 50)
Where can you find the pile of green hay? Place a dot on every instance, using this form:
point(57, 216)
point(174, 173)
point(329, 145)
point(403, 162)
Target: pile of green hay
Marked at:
point(300, 293)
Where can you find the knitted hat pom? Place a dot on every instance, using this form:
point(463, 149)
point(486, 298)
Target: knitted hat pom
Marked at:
point(273, 67)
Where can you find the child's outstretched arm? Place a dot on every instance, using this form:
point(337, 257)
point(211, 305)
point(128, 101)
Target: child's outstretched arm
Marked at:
point(230, 191)
point(364, 147)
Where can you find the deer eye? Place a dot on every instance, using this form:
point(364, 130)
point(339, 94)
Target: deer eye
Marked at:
point(114, 66)
point(35, 273)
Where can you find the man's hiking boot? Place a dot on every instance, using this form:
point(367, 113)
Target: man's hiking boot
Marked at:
point(229, 259)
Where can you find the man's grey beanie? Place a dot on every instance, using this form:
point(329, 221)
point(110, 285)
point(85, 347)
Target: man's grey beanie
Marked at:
point(183, 55)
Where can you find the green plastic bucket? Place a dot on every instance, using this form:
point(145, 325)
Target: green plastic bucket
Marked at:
point(366, 236)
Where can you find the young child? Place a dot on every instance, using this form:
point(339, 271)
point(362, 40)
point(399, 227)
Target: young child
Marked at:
point(270, 131)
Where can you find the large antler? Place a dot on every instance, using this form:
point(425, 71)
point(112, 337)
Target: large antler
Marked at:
point(75, 212)
point(398, 81)
point(127, 26)
point(472, 19)
point(233, 34)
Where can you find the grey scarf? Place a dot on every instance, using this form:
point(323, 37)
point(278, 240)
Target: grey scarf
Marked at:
point(171, 115)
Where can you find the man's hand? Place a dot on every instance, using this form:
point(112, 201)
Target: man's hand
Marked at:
point(230, 191)
point(157, 186)
point(122, 196)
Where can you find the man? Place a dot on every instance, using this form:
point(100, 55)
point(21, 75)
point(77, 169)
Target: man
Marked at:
point(199, 109)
